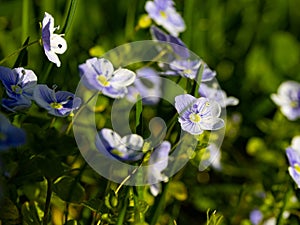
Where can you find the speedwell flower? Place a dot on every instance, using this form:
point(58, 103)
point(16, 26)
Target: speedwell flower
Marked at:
point(159, 158)
point(288, 99)
point(164, 14)
point(212, 92)
point(127, 148)
point(197, 115)
point(10, 136)
point(19, 84)
point(60, 103)
point(207, 73)
point(185, 68)
point(293, 155)
point(53, 43)
point(99, 74)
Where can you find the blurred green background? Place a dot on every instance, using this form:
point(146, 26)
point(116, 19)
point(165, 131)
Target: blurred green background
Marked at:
point(252, 44)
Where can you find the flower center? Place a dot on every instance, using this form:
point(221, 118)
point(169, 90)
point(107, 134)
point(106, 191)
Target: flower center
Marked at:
point(297, 167)
point(294, 104)
point(16, 89)
point(102, 79)
point(195, 118)
point(163, 14)
point(188, 71)
point(56, 105)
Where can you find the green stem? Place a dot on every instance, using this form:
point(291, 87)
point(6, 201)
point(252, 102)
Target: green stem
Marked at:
point(25, 18)
point(288, 194)
point(160, 206)
point(122, 214)
point(48, 200)
point(17, 51)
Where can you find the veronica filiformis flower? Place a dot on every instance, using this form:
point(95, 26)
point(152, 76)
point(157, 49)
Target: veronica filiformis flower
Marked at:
point(99, 74)
point(53, 43)
point(198, 114)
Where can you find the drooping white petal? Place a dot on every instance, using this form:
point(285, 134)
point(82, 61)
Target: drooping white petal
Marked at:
point(58, 44)
point(122, 78)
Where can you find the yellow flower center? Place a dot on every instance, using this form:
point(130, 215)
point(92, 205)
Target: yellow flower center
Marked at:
point(297, 167)
point(163, 14)
point(102, 79)
point(195, 118)
point(16, 89)
point(294, 104)
point(188, 71)
point(56, 105)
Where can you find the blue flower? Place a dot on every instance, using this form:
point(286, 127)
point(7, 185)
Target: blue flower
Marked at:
point(19, 84)
point(288, 99)
point(164, 14)
point(212, 92)
point(60, 103)
point(176, 43)
point(147, 85)
point(10, 136)
point(159, 159)
point(293, 155)
point(256, 216)
point(197, 115)
point(53, 43)
point(99, 74)
point(127, 148)
point(185, 68)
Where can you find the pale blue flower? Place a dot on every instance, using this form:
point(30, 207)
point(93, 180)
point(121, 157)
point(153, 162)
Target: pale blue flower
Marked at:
point(10, 136)
point(197, 115)
point(214, 93)
point(256, 217)
point(185, 68)
point(293, 155)
point(127, 148)
point(164, 14)
point(99, 74)
point(53, 43)
point(147, 85)
point(159, 159)
point(60, 103)
point(207, 73)
point(19, 84)
point(288, 99)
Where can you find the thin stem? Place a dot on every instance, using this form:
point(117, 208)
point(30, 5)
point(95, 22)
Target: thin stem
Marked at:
point(25, 18)
point(122, 214)
point(160, 206)
point(48, 200)
point(17, 51)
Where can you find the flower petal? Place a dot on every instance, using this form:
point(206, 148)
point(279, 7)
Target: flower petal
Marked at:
point(58, 44)
point(122, 78)
point(8, 78)
point(43, 96)
point(52, 57)
point(184, 102)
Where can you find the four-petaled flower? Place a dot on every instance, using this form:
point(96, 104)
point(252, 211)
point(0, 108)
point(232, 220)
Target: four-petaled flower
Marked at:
point(164, 14)
point(288, 99)
point(60, 103)
point(159, 159)
point(127, 148)
point(19, 84)
point(197, 115)
point(185, 68)
point(212, 92)
point(293, 155)
point(10, 136)
point(53, 43)
point(99, 74)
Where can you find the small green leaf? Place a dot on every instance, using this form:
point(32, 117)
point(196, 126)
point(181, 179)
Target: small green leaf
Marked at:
point(22, 59)
point(69, 189)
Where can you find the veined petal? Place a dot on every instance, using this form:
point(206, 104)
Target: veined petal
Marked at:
point(63, 96)
point(16, 104)
point(106, 68)
point(184, 102)
point(159, 157)
point(295, 175)
point(133, 141)
point(293, 156)
point(190, 127)
point(212, 123)
point(112, 138)
point(43, 96)
point(114, 93)
point(122, 78)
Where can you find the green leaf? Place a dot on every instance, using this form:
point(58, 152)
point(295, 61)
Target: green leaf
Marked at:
point(70, 16)
point(22, 59)
point(9, 212)
point(31, 213)
point(69, 189)
point(138, 115)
